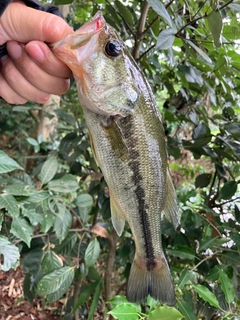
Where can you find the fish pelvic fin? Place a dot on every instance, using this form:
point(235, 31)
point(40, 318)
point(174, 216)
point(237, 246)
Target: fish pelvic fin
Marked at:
point(118, 220)
point(155, 281)
point(171, 210)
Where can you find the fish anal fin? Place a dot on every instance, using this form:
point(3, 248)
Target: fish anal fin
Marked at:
point(118, 220)
point(156, 282)
point(171, 210)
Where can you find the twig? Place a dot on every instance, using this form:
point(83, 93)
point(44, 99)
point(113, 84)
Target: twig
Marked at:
point(205, 259)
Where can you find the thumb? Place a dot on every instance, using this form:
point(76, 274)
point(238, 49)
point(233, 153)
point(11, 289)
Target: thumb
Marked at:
point(23, 24)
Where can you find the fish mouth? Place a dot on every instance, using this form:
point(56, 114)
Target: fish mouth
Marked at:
point(82, 36)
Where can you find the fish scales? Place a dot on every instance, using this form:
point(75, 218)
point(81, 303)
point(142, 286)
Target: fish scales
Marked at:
point(127, 139)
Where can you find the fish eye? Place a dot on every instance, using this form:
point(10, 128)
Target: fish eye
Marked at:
point(113, 48)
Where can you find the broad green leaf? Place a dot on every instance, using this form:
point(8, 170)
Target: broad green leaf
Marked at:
point(165, 39)
point(51, 261)
point(48, 170)
point(165, 313)
point(215, 26)
point(10, 253)
point(8, 202)
point(56, 278)
point(125, 311)
point(39, 196)
point(62, 224)
point(1, 221)
point(67, 244)
point(33, 217)
point(227, 287)
point(60, 2)
point(92, 252)
point(159, 7)
point(17, 189)
point(184, 278)
point(182, 252)
point(228, 190)
point(84, 203)
point(22, 230)
point(203, 180)
point(206, 295)
point(199, 51)
point(63, 288)
point(125, 12)
point(7, 164)
point(85, 294)
point(233, 128)
point(187, 310)
point(67, 183)
point(237, 213)
point(95, 300)
point(117, 300)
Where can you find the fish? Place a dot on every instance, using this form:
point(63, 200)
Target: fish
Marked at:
point(128, 142)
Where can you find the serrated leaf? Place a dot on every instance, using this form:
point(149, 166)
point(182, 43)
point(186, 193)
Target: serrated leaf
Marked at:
point(7, 164)
point(48, 170)
point(62, 224)
point(203, 180)
point(165, 313)
point(199, 51)
point(125, 12)
point(159, 7)
point(39, 196)
point(57, 279)
point(84, 203)
point(215, 25)
point(67, 183)
point(165, 39)
point(92, 252)
point(10, 254)
point(227, 287)
point(206, 295)
point(17, 189)
point(187, 310)
point(8, 202)
point(22, 230)
point(228, 190)
point(67, 244)
point(125, 311)
point(51, 261)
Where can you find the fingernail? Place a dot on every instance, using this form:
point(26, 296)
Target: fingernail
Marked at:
point(16, 50)
point(36, 53)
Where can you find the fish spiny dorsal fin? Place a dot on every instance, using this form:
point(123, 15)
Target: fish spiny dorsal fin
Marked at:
point(171, 210)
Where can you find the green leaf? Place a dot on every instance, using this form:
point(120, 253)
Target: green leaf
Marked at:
point(199, 51)
point(17, 189)
point(228, 190)
point(206, 295)
point(227, 287)
point(7, 164)
point(85, 294)
point(84, 203)
point(125, 12)
point(237, 213)
point(182, 252)
point(48, 170)
point(117, 300)
point(159, 7)
point(10, 254)
point(203, 180)
point(165, 313)
point(67, 183)
point(95, 300)
point(56, 278)
point(187, 310)
point(60, 2)
point(92, 252)
point(62, 224)
point(67, 244)
point(51, 261)
point(215, 25)
point(125, 311)
point(184, 278)
point(233, 128)
point(22, 230)
point(8, 202)
point(165, 39)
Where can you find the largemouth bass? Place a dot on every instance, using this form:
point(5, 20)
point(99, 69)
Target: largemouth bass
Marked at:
point(127, 139)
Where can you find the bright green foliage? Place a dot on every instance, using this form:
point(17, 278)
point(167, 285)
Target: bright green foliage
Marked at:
point(55, 214)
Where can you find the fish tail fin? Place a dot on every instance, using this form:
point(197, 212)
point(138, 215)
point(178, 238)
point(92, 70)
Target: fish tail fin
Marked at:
point(171, 210)
point(155, 280)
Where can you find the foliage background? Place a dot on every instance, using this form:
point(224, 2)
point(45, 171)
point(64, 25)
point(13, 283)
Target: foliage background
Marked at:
point(54, 203)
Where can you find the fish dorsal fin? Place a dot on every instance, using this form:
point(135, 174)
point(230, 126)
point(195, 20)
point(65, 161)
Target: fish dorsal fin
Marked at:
point(171, 210)
point(118, 220)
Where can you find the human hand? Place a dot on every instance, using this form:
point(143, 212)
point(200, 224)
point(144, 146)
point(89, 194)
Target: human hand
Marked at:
point(31, 71)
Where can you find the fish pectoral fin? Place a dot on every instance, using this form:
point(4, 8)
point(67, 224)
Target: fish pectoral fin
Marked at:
point(118, 220)
point(171, 210)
